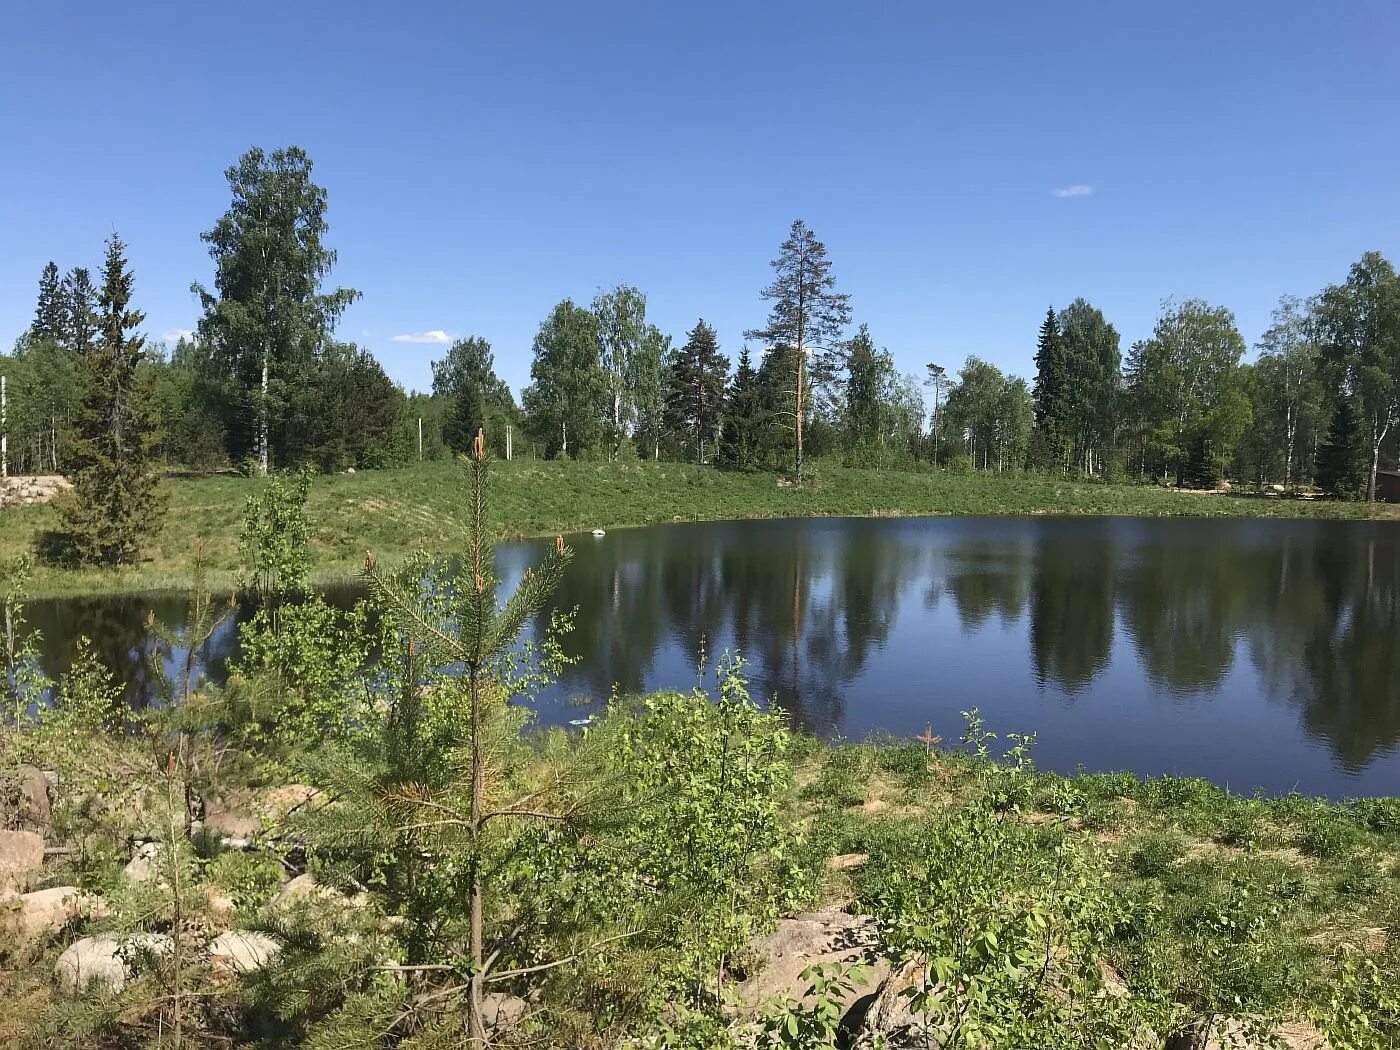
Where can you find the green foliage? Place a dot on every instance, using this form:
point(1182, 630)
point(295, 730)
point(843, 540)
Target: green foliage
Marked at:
point(1155, 855)
point(695, 384)
point(567, 382)
point(274, 545)
point(814, 1020)
point(267, 318)
point(1363, 1009)
point(115, 505)
point(1000, 929)
point(86, 702)
point(24, 680)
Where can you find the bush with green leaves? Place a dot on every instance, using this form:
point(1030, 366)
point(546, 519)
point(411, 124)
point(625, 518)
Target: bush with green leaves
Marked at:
point(1002, 928)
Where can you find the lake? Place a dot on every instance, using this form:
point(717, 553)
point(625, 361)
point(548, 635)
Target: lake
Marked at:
point(1260, 654)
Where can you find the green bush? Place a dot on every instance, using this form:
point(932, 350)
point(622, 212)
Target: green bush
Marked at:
point(1155, 855)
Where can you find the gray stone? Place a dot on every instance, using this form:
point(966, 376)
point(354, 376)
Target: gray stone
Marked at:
point(44, 913)
point(241, 951)
point(107, 960)
point(499, 1011)
point(144, 864)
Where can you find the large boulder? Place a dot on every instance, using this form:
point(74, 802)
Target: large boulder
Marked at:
point(241, 951)
point(107, 960)
point(21, 855)
point(44, 913)
point(822, 937)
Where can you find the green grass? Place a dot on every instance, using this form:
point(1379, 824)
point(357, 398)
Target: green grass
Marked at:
point(392, 512)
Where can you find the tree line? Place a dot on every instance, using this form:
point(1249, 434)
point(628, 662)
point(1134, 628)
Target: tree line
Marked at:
point(265, 383)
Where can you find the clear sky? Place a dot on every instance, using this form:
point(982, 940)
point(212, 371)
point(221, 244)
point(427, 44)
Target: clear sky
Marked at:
point(967, 164)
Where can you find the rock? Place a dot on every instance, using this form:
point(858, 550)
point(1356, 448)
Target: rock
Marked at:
point(219, 904)
point(33, 810)
point(143, 866)
point(21, 854)
point(888, 1014)
point(823, 937)
point(276, 803)
point(241, 951)
point(108, 960)
point(223, 820)
point(847, 861)
point(499, 1010)
point(1241, 1035)
point(44, 913)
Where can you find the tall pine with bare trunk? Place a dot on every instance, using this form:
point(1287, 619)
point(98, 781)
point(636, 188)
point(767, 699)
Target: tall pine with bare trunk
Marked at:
point(808, 315)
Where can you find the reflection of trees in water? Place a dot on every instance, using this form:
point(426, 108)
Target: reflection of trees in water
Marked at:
point(1181, 604)
point(116, 625)
point(1332, 643)
point(805, 608)
point(811, 604)
point(1072, 607)
point(990, 575)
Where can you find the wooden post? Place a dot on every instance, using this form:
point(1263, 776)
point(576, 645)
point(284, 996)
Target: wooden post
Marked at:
point(4, 432)
point(508, 442)
point(420, 439)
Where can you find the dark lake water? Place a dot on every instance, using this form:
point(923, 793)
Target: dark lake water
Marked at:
point(1259, 654)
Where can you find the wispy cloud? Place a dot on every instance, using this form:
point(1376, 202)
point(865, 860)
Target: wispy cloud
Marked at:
point(176, 334)
point(435, 335)
point(1079, 189)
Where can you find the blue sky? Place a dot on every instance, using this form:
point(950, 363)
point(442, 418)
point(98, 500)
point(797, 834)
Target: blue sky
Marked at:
point(485, 160)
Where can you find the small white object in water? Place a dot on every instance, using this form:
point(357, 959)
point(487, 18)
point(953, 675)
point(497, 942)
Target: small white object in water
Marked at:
point(599, 532)
point(581, 721)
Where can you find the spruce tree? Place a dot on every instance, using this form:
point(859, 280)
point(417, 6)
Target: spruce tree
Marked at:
point(80, 319)
point(1052, 396)
point(115, 502)
point(743, 416)
point(49, 312)
point(695, 390)
point(1341, 459)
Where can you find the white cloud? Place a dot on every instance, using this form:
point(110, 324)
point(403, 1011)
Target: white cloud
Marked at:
point(1077, 190)
point(436, 335)
point(176, 334)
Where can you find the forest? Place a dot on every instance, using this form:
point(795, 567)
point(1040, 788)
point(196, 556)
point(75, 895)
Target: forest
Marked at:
point(265, 384)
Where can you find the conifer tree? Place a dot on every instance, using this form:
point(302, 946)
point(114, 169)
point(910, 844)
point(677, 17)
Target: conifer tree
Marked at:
point(49, 319)
point(80, 319)
point(743, 416)
point(115, 503)
point(808, 315)
point(695, 390)
point(1052, 396)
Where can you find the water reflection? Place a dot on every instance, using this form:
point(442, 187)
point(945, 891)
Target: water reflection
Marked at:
point(1258, 653)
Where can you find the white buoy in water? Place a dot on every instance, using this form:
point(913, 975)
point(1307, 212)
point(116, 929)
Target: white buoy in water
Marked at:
point(599, 532)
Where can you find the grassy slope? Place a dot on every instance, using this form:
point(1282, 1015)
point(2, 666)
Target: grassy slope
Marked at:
point(392, 512)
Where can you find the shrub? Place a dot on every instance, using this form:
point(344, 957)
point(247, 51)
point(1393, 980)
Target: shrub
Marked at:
point(1155, 855)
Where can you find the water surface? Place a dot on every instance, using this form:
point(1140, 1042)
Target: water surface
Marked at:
point(1261, 654)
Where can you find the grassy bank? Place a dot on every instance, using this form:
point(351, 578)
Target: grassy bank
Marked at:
point(393, 512)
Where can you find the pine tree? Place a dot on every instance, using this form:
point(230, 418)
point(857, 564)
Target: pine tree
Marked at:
point(80, 319)
point(808, 315)
point(115, 502)
point(1052, 396)
point(50, 311)
point(743, 416)
point(695, 390)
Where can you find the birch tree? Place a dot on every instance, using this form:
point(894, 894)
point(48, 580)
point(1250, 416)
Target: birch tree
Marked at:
point(268, 316)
